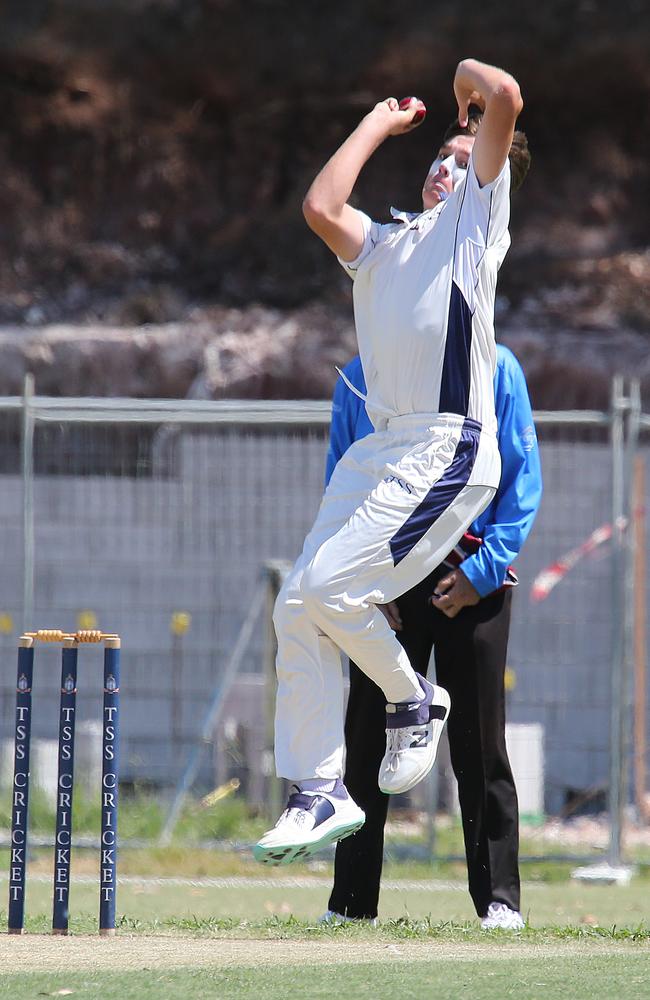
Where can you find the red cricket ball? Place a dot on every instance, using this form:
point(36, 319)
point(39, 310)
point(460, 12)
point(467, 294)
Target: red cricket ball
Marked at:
point(421, 110)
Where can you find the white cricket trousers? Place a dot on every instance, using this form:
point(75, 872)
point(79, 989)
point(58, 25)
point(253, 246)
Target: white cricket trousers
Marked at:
point(397, 503)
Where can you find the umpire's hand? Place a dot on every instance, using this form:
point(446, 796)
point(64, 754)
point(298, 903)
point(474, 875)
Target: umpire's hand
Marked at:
point(453, 593)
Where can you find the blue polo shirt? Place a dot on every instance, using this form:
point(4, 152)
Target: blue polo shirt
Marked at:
point(504, 525)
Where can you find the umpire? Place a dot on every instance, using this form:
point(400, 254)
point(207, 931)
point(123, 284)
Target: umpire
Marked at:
point(462, 610)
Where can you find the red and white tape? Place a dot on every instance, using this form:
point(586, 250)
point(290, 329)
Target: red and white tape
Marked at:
point(549, 577)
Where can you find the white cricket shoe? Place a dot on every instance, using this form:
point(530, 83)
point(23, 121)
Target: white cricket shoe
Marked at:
point(311, 821)
point(501, 917)
point(413, 731)
point(338, 919)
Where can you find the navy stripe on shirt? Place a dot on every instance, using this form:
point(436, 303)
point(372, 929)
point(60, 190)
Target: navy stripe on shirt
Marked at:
point(455, 383)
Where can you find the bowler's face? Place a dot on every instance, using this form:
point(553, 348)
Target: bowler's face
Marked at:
point(440, 183)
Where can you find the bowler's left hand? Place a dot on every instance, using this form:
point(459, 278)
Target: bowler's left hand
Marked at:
point(453, 593)
point(391, 613)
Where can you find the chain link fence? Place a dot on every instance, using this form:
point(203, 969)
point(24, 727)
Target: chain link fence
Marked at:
point(164, 521)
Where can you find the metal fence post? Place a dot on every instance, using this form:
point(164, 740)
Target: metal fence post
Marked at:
point(624, 431)
point(626, 418)
point(274, 571)
point(618, 618)
point(627, 694)
point(640, 651)
point(27, 470)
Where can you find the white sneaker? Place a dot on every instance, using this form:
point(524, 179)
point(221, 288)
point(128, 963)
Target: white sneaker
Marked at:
point(311, 821)
point(338, 919)
point(413, 732)
point(501, 917)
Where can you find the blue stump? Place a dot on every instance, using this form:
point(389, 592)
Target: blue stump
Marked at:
point(110, 777)
point(64, 789)
point(20, 804)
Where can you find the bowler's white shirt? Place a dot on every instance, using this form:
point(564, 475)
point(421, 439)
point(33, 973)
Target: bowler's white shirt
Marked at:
point(424, 291)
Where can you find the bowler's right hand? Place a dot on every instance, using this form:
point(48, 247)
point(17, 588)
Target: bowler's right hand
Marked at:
point(394, 121)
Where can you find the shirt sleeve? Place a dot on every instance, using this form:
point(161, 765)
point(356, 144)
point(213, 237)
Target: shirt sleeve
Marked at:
point(345, 412)
point(520, 491)
point(372, 235)
point(482, 228)
point(487, 208)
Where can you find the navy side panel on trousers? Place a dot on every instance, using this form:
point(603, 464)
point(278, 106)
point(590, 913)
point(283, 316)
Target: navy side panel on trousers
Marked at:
point(441, 494)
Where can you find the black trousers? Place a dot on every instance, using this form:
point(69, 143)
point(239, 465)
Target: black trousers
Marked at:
point(470, 658)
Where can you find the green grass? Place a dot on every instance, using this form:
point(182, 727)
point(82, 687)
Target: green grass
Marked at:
point(290, 928)
point(152, 906)
point(200, 862)
point(177, 941)
point(195, 862)
point(557, 977)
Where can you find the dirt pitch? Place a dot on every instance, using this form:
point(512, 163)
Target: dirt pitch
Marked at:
point(35, 952)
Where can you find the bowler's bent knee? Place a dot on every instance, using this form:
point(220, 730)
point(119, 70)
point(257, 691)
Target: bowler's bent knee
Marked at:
point(319, 592)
